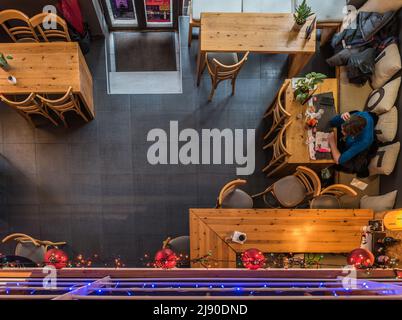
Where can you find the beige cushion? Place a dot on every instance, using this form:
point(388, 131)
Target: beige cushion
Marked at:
point(383, 99)
point(199, 6)
point(387, 126)
point(352, 97)
point(385, 160)
point(388, 63)
point(379, 203)
point(373, 189)
point(267, 6)
point(381, 6)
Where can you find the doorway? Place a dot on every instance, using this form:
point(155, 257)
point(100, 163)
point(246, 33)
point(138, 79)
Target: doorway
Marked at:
point(142, 15)
point(143, 51)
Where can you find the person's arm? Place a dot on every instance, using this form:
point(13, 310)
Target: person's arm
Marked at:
point(336, 154)
point(362, 144)
point(336, 121)
point(354, 150)
point(340, 119)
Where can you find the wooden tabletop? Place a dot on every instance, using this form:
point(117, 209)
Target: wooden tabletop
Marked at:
point(47, 68)
point(274, 231)
point(296, 134)
point(254, 32)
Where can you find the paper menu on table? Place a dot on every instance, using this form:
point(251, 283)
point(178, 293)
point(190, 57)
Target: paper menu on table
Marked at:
point(359, 184)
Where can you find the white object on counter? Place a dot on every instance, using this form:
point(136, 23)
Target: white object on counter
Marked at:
point(367, 239)
point(12, 80)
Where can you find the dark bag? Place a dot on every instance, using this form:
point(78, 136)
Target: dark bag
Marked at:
point(360, 163)
point(361, 66)
point(84, 41)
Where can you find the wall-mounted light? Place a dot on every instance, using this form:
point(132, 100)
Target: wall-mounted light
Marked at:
point(393, 220)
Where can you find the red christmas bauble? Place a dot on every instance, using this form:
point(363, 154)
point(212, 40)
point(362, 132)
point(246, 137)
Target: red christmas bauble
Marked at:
point(253, 259)
point(361, 258)
point(57, 258)
point(165, 259)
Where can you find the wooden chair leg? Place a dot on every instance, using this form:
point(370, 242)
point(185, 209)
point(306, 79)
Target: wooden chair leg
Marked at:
point(28, 119)
point(269, 165)
point(82, 115)
point(269, 205)
point(273, 162)
point(47, 116)
point(190, 34)
point(212, 93)
point(269, 189)
point(269, 112)
point(278, 168)
point(233, 86)
point(61, 116)
point(271, 131)
point(268, 145)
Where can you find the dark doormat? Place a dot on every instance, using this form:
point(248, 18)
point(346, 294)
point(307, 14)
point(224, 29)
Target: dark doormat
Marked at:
point(145, 51)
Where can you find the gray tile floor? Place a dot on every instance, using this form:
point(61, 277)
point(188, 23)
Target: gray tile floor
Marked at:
point(92, 186)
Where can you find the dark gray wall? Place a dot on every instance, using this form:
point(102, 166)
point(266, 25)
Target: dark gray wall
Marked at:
point(32, 7)
point(394, 181)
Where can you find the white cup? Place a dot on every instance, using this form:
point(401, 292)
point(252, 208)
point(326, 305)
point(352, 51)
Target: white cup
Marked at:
point(12, 80)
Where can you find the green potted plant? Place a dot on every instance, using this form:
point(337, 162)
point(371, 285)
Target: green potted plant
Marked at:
point(306, 86)
point(4, 63)
point(302, 12)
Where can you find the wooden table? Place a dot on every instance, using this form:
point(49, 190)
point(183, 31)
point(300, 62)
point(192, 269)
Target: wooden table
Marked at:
point(274, 231)
point(296, 134)
point(48, 68)
point(257, 33)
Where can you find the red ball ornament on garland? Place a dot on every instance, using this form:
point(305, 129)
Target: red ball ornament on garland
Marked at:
point(57, 258)
point(361, 258)
point(165, 259)
point(253, 259)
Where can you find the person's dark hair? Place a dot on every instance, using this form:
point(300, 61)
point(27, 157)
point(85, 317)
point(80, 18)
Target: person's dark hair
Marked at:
point(354, 126)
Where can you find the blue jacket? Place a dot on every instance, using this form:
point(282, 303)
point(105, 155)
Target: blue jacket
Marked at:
point(360, 143)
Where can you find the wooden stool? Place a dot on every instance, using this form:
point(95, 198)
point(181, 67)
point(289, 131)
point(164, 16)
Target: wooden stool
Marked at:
point(329, 198)
point(278, 112)
point(223, 66)
point(67, 103)
point(28, 107)
point(232, 197)
point(23, 32)
point(279, 152)
point(293, 190)
point(58, 34)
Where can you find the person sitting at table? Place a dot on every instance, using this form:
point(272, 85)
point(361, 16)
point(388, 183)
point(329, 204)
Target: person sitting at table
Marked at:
point(357, 143)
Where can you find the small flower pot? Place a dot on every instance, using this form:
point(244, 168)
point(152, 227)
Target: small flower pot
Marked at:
point(297, 26)
point(5, 67)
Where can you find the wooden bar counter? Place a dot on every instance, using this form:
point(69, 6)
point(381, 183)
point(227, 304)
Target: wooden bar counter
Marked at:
point(274, 231)
point(48, 68)
point(258, 33)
